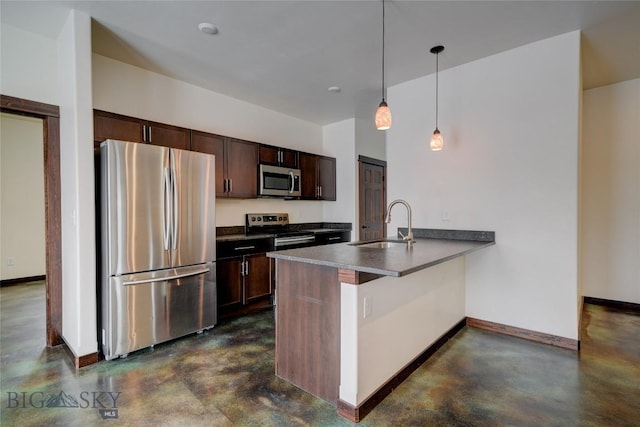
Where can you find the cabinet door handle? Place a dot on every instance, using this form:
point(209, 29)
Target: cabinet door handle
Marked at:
point(334, 238)
point(244, 248)
point(320, 190)
point(244, 268)
point(230, 185)
point(149, 134)
point(144, 133)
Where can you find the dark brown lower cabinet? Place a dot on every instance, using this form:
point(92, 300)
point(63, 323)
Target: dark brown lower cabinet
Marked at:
point(244, 284)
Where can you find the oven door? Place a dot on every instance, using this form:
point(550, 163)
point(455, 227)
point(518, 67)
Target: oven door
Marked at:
point(278, 181)
point(292, 242)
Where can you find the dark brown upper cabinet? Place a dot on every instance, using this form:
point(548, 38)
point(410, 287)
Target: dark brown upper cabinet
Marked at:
point(115, 126)
point(236, 163)
point(236, 160)
point(318, 176)
point(270, 155)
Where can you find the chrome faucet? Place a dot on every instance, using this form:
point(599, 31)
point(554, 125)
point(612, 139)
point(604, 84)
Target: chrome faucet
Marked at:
point(409, 236)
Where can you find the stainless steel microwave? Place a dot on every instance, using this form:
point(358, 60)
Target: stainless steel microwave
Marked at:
point(279, 181)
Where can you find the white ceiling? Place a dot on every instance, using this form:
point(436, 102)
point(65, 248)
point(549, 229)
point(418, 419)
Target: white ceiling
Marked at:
point(284, 55)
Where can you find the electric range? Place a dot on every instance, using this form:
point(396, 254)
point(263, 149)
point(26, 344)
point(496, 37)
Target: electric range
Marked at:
point(286, 237)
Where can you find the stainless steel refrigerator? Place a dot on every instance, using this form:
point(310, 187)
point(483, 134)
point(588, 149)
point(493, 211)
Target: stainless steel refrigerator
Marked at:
point(158, 245)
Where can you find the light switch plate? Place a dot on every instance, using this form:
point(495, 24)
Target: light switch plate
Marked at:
point(367, 307)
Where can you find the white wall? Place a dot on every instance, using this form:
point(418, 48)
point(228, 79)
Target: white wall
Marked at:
point(510, 164)
point(406, 315)
point(370, 142)
point(28, 67)
point(58, 72)
point(339, 142)
point(610, 202)
point(77, 189)
point(22, 234)
point(129, 90)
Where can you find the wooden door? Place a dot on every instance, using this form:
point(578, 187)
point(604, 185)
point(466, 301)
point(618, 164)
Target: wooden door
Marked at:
point(114, 126)
point(327, 178)
point(372, 195)
point(308, 182)
point(229, 282)
point(168, 136)
point(269, 155)
point(212, 144)
point(278, 156)
point(242, 168)
point(289, 158)
point(257, 280)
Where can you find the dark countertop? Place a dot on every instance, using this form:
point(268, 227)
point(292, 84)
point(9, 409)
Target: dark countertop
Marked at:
point(226, 234)
point(394, 261)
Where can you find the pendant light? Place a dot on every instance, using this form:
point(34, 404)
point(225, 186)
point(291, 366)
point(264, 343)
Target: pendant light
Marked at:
point(383, 113)
point(436, 139)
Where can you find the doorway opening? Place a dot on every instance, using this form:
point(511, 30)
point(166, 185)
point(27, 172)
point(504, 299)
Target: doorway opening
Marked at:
point(22, 237)
point(50, 115)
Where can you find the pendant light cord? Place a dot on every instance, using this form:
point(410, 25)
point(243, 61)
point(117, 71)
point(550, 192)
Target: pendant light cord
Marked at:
point(437, 54)
point(383, 33)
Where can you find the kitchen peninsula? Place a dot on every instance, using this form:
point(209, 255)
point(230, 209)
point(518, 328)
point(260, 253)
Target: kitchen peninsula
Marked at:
point(354, 319)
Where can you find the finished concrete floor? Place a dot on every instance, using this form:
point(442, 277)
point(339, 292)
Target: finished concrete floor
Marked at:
point(225, 377)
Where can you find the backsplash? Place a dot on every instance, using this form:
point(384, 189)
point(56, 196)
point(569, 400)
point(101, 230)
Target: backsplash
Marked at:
point(232, 212)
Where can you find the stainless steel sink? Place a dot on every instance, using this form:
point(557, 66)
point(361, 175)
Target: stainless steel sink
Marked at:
point(381, 244)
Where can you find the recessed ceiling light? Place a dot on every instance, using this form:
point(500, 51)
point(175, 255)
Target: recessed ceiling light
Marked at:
point(334, 89)
point(208, 28)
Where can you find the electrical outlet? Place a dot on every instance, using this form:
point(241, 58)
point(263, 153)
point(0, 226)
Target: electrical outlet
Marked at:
point(11, 261)
point(446, 215)
point(367, 307)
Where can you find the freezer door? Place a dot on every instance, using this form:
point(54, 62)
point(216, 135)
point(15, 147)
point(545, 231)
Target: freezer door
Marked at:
point(135, 207)
point(194, 221)
point(145, 309)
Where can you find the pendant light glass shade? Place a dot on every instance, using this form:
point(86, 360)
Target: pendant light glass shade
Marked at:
point(383, 113)
point(383, 116)
point(437, 142)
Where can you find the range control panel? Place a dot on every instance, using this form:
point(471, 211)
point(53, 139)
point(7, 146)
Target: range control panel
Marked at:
point(267, 219)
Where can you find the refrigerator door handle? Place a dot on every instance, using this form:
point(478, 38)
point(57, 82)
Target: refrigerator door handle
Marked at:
point(148, 279)
point(176, 211)
point(166, 217)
